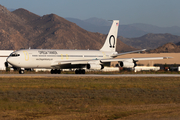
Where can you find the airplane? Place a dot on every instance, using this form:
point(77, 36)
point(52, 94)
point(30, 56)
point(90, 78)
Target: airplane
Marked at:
point(57, 60)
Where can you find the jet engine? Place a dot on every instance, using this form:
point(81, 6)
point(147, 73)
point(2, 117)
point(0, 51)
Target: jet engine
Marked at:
point(95, 66)
point(128, 63)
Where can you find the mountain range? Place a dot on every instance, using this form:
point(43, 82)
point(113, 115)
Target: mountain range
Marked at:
point(152, 36)
point(150, 41)
point(127, 31)
point(24, 29)
point(166, 48)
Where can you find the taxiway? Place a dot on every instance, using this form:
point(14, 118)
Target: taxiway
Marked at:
point(90, 75)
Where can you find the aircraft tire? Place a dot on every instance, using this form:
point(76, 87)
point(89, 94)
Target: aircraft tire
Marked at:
point(52, 71)
point(83, 71)
point(80, 71)
point(58, 71)
point(55, 71)
point(21, 71)
point(76, 71)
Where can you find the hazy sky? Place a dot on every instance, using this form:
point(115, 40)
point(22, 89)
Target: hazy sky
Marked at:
point(162, 13)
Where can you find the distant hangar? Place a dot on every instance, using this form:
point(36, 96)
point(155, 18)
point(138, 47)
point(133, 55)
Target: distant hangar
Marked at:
point(3, 56)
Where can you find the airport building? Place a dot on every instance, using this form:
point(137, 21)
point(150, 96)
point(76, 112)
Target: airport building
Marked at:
point(3, 56)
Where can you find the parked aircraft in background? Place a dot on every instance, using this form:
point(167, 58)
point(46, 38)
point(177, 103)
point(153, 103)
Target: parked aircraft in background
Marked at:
point(56, 60)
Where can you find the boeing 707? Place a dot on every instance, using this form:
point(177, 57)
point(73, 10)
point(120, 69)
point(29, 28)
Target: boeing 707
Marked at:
point(57, 60)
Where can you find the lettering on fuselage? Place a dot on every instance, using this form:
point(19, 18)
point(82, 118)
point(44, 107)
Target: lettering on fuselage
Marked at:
point(47, 52)
point(46, 59)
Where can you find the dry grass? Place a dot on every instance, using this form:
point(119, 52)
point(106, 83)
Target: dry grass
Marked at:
point(90, 98)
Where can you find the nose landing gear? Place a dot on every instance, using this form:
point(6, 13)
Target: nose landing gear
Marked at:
point(21, 71)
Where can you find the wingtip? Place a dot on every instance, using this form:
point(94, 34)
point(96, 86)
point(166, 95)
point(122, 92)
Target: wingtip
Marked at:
point(167, 57)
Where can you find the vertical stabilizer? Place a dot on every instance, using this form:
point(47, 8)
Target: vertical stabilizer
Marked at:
point(111, 40)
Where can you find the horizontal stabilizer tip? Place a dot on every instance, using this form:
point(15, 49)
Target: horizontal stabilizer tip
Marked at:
point(167, 57)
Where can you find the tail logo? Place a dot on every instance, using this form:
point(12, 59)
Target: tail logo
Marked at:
point(111, 40)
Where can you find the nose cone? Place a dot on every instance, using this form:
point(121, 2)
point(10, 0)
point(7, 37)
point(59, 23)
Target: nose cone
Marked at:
point(11, 61)
point(8, 60)
point(14, 59)
point(7, 63)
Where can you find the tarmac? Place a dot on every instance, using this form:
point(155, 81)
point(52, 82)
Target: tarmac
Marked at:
point(89, 75)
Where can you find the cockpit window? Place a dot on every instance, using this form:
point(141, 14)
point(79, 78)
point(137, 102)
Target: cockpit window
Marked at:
point(14, 55)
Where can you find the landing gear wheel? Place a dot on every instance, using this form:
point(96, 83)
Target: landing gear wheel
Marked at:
point(21, 71)
point(76, 71)
point(58, 71)
point(55, 71)
point(80, 71)
point(52, 71)
point(83, 71)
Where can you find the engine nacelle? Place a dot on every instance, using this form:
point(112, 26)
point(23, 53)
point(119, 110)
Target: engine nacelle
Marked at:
point(95, 66)
point(128, 64)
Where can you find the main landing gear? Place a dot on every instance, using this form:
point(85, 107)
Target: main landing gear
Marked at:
point(55, 71)
point(79, 71)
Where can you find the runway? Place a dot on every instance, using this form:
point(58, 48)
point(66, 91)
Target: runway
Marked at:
point(89, 75)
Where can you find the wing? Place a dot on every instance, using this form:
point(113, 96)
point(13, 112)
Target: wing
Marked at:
point(69, 64)
point(135, 59)
point(131, 62)
point(106, 62)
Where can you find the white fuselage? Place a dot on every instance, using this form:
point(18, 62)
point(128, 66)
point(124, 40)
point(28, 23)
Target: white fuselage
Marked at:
point(44, 58)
